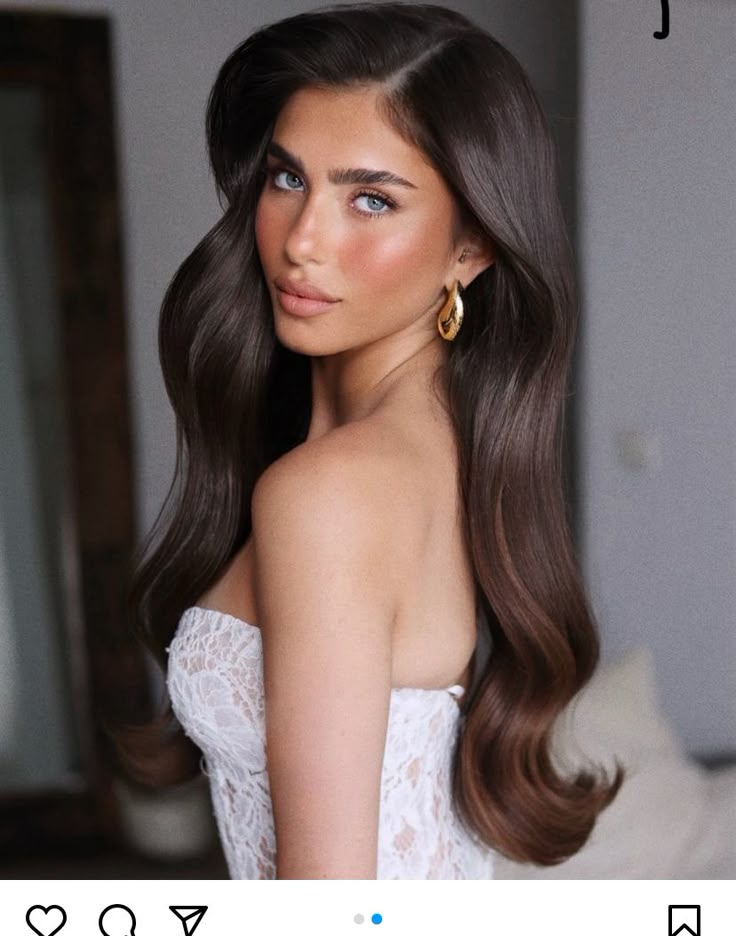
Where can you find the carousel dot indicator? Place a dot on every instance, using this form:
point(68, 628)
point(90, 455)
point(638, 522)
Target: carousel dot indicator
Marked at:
point(376, 918)
point(358, 918)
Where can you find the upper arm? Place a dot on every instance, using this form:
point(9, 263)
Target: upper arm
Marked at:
point(325, 607)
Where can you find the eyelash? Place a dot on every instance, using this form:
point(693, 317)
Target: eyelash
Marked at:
point(272, 171)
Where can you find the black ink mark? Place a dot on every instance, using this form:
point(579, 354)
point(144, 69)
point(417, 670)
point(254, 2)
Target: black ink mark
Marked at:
point(665, 21)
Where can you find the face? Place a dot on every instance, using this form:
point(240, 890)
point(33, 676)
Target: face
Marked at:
point(381, 250)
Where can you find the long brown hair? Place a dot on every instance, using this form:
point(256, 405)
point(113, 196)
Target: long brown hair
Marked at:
point(242, 399)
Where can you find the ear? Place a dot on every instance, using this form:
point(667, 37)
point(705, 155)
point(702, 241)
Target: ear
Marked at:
point(479, 253)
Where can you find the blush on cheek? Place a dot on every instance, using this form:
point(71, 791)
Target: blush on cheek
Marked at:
point(260, 226)
point(269, 228)
point(390, 261)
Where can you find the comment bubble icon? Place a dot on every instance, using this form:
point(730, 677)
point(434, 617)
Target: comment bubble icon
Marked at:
point(117, 920)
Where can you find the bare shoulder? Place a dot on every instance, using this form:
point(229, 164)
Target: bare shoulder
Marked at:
point(353, 451)
point(356, 480)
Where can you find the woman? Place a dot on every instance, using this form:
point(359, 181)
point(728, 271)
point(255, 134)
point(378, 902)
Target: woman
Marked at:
point(368, 356)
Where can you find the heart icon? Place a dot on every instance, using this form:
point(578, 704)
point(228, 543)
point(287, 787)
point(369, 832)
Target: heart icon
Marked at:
point(45, 921)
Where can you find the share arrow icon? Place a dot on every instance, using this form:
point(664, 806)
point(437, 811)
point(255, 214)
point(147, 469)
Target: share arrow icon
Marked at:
point(190, 917)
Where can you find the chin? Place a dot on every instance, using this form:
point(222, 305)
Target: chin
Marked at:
point(302, 336)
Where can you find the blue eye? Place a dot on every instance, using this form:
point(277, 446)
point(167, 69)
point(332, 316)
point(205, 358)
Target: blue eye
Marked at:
point(277, 172)
point(376, 198)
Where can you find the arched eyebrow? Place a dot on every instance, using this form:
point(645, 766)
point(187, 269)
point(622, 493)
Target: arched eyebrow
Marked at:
point(343, 176)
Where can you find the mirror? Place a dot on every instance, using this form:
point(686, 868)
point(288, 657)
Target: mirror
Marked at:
point(66, 504)
point(38, 669)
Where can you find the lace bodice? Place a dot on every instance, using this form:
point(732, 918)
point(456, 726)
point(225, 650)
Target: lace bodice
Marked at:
point(215, 682)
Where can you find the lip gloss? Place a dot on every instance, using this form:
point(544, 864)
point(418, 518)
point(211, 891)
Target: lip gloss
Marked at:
point(298, 305)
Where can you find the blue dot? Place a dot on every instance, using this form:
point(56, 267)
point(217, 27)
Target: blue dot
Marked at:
point(376, 918)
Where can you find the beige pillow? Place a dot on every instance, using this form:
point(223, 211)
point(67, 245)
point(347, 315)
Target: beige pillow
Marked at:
point(617, 713)
point(652, 828)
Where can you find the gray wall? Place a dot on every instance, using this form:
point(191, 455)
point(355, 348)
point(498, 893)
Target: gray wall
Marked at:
point(657, 407)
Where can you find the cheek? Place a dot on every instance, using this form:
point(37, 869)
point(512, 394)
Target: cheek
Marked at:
point(266, 229)
point(261, 224)
point(384, 258)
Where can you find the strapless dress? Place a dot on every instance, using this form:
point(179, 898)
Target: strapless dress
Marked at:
point(215, 682)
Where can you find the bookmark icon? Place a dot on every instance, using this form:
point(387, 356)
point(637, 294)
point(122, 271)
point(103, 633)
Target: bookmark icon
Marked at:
point(190, 917)
point(684, 920)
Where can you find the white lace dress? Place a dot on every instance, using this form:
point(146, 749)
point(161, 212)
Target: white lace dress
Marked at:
point(215, 682)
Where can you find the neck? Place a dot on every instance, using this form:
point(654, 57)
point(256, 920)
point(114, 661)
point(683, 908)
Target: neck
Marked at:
point(354, 384)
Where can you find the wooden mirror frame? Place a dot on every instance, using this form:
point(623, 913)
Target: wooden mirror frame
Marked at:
point(67, 58)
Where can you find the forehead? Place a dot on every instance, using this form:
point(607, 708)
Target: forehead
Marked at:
point(343, 127)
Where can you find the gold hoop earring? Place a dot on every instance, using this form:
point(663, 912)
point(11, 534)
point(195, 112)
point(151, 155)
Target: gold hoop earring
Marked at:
point(450, 317)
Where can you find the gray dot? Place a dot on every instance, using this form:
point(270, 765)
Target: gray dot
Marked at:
point(358, 918)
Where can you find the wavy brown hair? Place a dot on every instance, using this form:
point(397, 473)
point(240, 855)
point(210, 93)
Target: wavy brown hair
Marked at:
point(242, 399)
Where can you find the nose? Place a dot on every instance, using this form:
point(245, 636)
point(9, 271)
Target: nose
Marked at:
point(307, 236)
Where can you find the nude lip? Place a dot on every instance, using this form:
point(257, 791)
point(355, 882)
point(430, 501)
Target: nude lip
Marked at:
point(299, 305)
point(303, 289)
